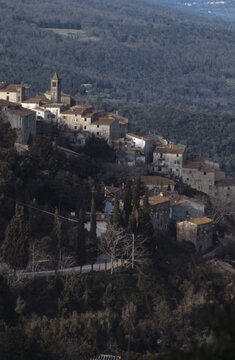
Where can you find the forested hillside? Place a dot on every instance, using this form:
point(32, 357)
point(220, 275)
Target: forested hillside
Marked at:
point(130, 50)
point(138, 54)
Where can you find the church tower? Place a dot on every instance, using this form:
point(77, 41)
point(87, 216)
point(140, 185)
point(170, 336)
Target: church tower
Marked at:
point(56, 89)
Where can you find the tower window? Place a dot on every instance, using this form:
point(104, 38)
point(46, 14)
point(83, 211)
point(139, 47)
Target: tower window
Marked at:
point(54, 84)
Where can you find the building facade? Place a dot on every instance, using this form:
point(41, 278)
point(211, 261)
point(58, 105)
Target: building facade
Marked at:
point(198, 231)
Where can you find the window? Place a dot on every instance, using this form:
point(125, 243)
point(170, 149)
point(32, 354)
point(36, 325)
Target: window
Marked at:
point(85, 119)
point(177, 155)
point(7, 98)
point(98, 125)
point(204, 173)
point(85, 127)
point(54, 83)
point(75, 127)
point(18, 98)
point(98, 133)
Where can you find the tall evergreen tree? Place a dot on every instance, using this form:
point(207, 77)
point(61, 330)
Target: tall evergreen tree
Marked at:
point(136, 197)
point(116, 218)
point(127, 201)
point(145, 223)
point(80, 246)
point(15, 248)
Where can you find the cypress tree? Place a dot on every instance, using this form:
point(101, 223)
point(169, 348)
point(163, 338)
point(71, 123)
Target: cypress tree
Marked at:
point(80, 246)
point(146, 225)
point(136, 198)
point(127, 201)
point(15, 248)
point(131, 228)
point(116, 218)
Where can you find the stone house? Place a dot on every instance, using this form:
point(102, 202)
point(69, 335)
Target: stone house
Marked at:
point(160, 212)
point(225, 189)
point(14, 92)
point(55, 109)
point(197, 174)
point(183, 208)
point(198, 231)
point(168, 159)
point(158, 183)
point(21, 119)
point(73, 118)
point(107, 128)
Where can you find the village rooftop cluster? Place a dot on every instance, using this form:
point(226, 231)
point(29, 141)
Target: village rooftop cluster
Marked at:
point(165, 161)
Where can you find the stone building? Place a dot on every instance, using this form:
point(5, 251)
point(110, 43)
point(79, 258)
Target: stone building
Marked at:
point(199, 174)
point(158, 183)
point(225, 189)
point(198, 231)
point(142, 143)
point(14, 92)
point(160, 211)
point(98, 122)
point(168, 159)
point(56, 95)
point(183, 208)
point(21, 119)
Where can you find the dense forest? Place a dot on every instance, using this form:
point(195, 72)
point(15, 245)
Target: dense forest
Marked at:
point(133, 50)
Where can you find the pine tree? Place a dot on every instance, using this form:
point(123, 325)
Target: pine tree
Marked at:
point(127, 201)
point(80, 246)
point(116, 218)
point(15, 248)
point(57, 233)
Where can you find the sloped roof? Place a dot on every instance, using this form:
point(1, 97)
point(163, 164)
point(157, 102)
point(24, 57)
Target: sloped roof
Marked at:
point(55, 76)
point(156, 180)
point(225, 182)
point(200, 220)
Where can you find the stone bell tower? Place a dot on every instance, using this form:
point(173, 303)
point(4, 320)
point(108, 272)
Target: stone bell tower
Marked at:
point(56, 89)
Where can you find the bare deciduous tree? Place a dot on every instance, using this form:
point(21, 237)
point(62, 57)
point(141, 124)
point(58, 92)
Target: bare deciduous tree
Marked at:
point(116, 243)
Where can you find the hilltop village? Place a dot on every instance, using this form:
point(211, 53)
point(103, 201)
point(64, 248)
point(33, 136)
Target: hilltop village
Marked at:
point(166, 165)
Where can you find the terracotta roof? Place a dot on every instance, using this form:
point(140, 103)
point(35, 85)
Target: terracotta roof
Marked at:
point(200, 220)
point(21, 111)
point(12, 87)
point(8, 103)
point(192, 164)
point(225, 182)
point(158, 199)
point(91, 113)
point(156, 180)
point(103, 121)
point(35, 100)
point(54, 105)
point(170, 149)
point(73, 112)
